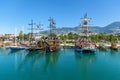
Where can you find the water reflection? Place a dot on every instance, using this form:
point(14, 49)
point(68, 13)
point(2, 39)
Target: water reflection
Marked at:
point(4, 50)
point(85, 58)
point(63, 64)
point(31, 58)
point(39, 60)
point(84, 64)
point(9, 51)
point(52, 58)
point(12, 52)
point(114, 52)
point(103, 52)
point(50, 65)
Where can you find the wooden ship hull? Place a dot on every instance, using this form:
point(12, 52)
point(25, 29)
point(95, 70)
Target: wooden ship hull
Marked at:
point(53, 45)
point(47, 46)
point(85, 49)
point(114, 46)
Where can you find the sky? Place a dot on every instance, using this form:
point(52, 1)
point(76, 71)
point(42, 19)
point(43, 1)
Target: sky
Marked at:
point(15, 15)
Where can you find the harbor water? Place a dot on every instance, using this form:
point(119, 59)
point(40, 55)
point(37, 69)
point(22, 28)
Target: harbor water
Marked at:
point(64, 64)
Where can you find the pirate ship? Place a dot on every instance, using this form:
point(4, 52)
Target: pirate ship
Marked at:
point(50, 44)
point(52, 41)
point(84, 44)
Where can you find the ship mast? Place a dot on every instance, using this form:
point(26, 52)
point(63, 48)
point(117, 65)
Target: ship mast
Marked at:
point(32, 25)
point(38, 27)
point(84, 25)
point(52, 27)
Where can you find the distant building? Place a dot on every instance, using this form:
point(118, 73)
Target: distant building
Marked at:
point(1, 35)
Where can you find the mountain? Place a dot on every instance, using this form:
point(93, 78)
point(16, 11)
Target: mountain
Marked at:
point(96, 29)
point(111, 27)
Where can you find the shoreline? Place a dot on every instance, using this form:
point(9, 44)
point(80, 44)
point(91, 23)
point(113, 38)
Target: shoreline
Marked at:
point(67, 45)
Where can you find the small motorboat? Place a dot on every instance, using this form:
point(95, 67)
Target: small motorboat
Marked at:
point(102, 47)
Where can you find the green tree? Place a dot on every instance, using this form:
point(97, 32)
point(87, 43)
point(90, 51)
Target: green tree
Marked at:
point(75, 36)
point(27, 37)
point(63, 37)
point(20, 37)
point(70, 35)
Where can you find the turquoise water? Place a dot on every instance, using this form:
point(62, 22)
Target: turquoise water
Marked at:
point(64, 64)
